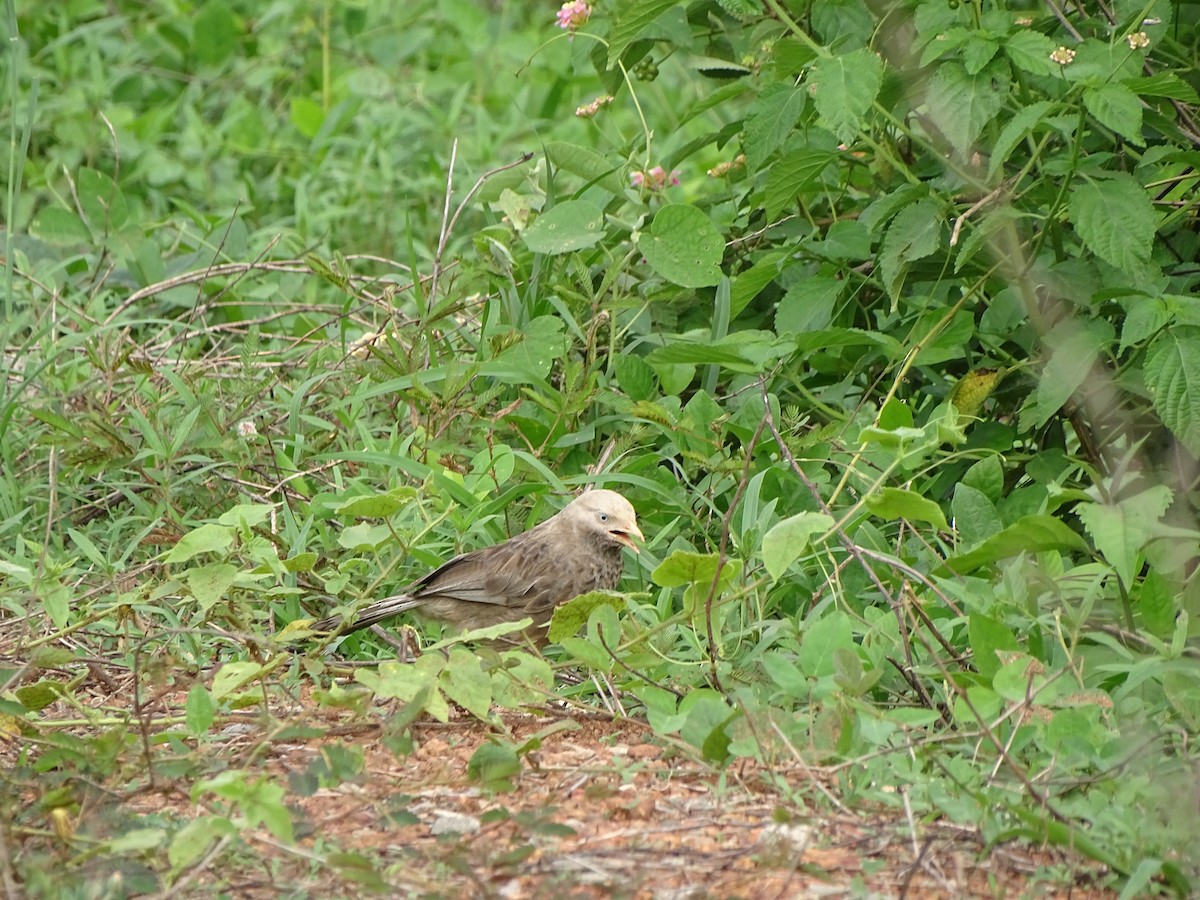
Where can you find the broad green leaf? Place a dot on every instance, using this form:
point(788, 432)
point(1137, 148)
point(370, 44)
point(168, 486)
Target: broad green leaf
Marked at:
point(635, 377)
point(307, 116)
point(566, 227)
point(1172, 373)
point(233, 676)
point(101, 200)
point(1115, 219)
point(707, 713)
point(1163, 84)
point(961, 104)
point(1015, 130)
point(682, 568)
point(196, 837)
point(569, 617)
point(633, 19)
point(60, 227)
point(808, 305)
point(1030, 534)
point(1075, 347)
point(364, 536)
point(975, 516)
point(1030, 50)
point(987, 636)
point(199, 710)
point(587, 164)
point(1157, 604)
point(897, 503)
point(790, 176)
point(819, 641)
point(375, 506)
point(494, 766)
point(770, 122)
point(748, 284)
point(215, 34)
point(464, 681)
point(844, 88)
point(915, 232)
point(788, 540)
point(1116, 107)
point(209, 583)
point(208, 538)
point(783, 669)
point(247, 515)
point(683, 246)
point(1121, 529)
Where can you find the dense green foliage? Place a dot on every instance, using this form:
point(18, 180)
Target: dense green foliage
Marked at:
point(902, 376)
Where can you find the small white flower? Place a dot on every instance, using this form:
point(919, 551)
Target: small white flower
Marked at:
point(247, 429)
point(1063, 56)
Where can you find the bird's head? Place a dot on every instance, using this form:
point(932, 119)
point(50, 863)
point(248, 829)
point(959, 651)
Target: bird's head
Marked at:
point(607, 514)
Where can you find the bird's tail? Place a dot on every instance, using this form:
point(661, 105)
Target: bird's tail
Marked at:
point(368, 615)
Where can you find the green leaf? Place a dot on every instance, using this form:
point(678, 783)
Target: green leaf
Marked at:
point(566, 227)
point(750, 283)
point(569, 617)
point(1030, 50)
point(374, 506)
point(1116, 107)
point(960, 104)
point(60, 227)
point(101, 200)
point(1075, 347)
point(196, 837)
point(587, 164)
point(307, 115)
point(1157, 603)
point(464, 681)
point(209, 583)
point(1172, 373)
point(897, 503)
point(633, 19)
point(247, 515)
point(1120, 530)
point(788, 540)
point(1167, 85)
point(819, 641)
point(987, 636)
point(635, 377)
point(844, 88)
point(199, 710)
point(1015, 130)
point(208, 538)
point(790, 176)
point(913, 234)
point(975, 516)
point(683, 246)
point(233, 676)
point(808, 305)
point(1115, 219)
point(1030, 534)
point(770, 122)
point(215, 35)
point(682, 568)
point(494, 767)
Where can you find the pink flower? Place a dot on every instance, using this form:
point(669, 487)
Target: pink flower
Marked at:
point(574, 15)
point(656, 179)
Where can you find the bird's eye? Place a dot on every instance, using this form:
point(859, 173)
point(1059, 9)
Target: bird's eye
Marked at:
point(603, 517)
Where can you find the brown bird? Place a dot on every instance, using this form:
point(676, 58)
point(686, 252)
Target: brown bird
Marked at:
point(573, 552)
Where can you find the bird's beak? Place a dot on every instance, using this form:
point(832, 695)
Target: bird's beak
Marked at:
point(626, 535)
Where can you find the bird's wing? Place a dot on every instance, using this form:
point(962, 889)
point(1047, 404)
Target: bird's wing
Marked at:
point(524, 572)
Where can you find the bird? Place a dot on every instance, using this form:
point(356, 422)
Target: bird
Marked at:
point(575, 551)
